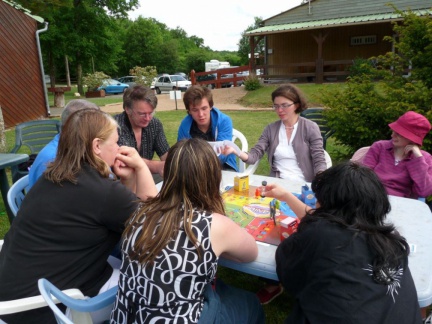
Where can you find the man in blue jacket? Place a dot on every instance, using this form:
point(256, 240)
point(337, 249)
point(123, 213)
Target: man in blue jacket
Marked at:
point(206, 122)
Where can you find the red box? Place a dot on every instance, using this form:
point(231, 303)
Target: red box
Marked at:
point(287, 227)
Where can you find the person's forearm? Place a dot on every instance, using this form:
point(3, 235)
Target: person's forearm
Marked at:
point(154, 166)
point(243, 156)
point(298, 207)
point(145, 186)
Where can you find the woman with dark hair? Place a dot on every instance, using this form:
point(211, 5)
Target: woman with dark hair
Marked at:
point(345, 264)
point(293, 144)
point(172, 244)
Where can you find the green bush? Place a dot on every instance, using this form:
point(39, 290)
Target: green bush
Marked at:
point(361, 66)
point(252, 82)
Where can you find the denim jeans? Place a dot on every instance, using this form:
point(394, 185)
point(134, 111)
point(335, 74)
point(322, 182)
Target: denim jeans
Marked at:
point(227, 304)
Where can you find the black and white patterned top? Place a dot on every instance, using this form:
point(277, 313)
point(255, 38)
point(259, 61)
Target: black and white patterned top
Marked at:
point(152, 137)
point(171, 289)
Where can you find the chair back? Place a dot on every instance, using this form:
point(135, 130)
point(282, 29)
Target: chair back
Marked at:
point(16, 194)
point(33, 135)
point(360, 154)
point(316, 115)
point(80, 308)
point(237, 135)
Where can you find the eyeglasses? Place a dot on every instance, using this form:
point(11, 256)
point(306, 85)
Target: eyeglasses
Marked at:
point(283, 106)
point(143, 115)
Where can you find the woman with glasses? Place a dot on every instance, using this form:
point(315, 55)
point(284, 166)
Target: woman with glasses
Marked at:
point(293, 144)
point(294, 147)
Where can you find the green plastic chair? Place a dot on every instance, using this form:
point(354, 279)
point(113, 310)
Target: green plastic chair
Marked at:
point(34, 135)
point(316, 114)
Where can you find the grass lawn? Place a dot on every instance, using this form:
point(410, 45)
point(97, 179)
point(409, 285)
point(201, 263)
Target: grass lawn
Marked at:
point(251, 124)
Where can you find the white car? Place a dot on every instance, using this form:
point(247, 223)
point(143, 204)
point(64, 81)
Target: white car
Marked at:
point(171, 82)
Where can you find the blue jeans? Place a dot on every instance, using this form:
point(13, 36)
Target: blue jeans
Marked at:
point(228, 304)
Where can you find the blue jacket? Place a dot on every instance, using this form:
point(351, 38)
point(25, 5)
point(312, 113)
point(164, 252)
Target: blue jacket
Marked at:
point(45, 156)
point(221, 130)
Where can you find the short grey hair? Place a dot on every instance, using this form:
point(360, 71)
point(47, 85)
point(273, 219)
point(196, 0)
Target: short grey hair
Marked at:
point(74, 105)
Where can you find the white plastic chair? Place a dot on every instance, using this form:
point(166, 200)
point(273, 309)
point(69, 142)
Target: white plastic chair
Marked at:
point(244, 147)
point(16, 194)
point(360, 154)
point(24, 304)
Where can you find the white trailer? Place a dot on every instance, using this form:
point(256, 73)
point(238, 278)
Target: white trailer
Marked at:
point(215, 64)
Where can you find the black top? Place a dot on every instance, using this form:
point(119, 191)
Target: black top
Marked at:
point(153, 138)
point(65, 234)
point(328, 271)
point(195, 132)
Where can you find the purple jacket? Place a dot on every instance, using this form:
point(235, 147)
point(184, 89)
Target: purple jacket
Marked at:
point(411, 178)
point(307, 145)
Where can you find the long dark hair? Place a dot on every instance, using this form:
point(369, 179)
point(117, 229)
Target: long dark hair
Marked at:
point(352, 196)
point(192, 176)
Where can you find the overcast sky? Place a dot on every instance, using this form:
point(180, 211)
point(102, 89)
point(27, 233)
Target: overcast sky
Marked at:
point(220, 23)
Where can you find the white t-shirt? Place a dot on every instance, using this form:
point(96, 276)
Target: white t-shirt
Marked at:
point(284, 157)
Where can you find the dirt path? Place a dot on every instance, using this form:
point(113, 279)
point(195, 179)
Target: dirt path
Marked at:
point(226, 98)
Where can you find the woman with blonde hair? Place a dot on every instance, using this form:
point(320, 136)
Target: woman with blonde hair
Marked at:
point(74, 215)
point(172, 244)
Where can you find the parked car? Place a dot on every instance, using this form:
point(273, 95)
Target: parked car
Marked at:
point(171, 82)
point(184, 75)
point(113, 86)
point(207, 77)
point(129, 80)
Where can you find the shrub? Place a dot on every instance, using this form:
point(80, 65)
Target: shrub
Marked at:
point(145, 75)
point(252, 82)
point(361, 66)
point(94, 80)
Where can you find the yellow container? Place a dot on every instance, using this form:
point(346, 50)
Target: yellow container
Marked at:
point(241, 183)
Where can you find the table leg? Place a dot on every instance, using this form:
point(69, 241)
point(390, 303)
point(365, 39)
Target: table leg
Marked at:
point(4, 188)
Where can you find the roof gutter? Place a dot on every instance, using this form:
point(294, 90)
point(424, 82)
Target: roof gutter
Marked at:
point(42, 67)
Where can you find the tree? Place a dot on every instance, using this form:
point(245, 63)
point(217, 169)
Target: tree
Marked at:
point(244, 47)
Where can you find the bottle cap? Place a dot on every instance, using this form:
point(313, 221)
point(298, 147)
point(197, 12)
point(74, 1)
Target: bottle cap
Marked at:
point(264, 183)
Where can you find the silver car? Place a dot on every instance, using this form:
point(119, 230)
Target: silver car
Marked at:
point(171, 82)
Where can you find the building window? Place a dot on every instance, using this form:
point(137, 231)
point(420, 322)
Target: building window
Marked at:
point(363, 40)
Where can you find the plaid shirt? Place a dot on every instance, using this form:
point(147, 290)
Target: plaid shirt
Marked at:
point(152, 137)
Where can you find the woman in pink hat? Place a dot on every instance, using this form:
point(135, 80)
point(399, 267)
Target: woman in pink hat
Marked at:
point(403, 168)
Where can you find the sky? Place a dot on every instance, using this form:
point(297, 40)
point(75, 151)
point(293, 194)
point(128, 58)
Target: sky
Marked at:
point(220, 23)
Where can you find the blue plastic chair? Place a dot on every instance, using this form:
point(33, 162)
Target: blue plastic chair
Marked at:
point(80, 308)
point(16, 194)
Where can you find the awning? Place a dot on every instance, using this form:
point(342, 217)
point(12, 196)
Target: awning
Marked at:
point(328, 23)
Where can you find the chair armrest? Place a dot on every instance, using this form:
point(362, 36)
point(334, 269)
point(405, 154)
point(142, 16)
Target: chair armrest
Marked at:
point(24, 304)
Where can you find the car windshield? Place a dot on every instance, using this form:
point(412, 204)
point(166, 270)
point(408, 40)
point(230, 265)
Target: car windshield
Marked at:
point(177, 78)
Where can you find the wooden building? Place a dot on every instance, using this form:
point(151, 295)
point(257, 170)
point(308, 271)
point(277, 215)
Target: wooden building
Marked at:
point(22, 88)
point(318, 40)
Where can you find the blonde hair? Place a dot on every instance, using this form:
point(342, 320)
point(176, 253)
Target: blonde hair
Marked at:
point(192, 176)
point(76, 145)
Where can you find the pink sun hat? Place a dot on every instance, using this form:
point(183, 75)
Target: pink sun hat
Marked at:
point(412, 126)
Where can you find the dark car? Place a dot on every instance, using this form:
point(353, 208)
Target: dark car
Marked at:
point(208, 77)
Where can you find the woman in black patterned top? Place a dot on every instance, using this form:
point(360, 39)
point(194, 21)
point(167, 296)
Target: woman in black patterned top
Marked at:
point(172, 244)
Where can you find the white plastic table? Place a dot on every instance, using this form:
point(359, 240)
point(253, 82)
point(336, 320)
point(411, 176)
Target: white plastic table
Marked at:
point(412, 218)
